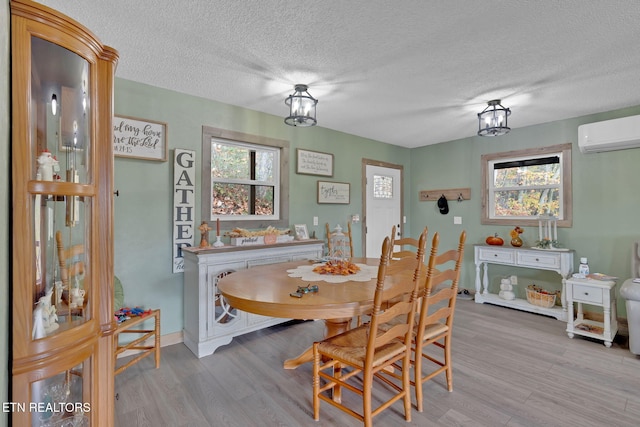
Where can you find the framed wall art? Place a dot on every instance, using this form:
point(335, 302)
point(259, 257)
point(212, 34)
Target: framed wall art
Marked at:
point(333, 192)
point(314, 163)
point(301, 231)
point(139, 138)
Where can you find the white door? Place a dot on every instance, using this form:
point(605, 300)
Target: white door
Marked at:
point(383, 206)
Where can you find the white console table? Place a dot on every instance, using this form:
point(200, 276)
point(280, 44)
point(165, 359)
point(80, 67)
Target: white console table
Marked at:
point(559, 261)
point(209, 321)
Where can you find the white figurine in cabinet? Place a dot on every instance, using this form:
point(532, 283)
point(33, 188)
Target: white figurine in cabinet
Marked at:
point(506, 290)
point(47, 165)
point(45, 318)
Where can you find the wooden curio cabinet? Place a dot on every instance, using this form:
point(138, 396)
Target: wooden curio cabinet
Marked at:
point(62, 247)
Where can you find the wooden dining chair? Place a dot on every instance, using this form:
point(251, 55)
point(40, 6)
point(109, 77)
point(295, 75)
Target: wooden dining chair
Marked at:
point(437, 308)
point(368, 351)
point(404, 246)
point(347, 233)
point(70, 260)
point(401, 248)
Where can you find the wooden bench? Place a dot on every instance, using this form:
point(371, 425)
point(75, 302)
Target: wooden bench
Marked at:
point(139, 344)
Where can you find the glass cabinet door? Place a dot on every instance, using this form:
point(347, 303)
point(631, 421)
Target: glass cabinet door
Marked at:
point(61, 400)
point(61, 147)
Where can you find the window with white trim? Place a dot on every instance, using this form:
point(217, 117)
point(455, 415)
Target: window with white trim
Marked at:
point(244, 179)
point(521, 185)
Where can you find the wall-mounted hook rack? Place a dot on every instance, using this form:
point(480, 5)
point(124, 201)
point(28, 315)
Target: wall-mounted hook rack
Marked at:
point(458, 194)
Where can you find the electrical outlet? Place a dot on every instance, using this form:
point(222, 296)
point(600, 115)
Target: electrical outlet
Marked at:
point(457, 220)
point(514, 280)
point(315, 220)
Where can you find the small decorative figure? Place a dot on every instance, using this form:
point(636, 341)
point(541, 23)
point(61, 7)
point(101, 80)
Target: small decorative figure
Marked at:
point(506, 290)
point(45, 316)
point(47, 165)
point(204, 236)
point(77, 297)
point(516, 241)
point(38, 330)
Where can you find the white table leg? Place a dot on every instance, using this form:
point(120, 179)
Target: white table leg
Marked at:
point(478, 286)
point(485, 279)
point(579, 315)
point(570, 320)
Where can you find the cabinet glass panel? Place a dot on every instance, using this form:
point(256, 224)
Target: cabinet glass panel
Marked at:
point(62, 291)
point(60, 400)
point(60, 106)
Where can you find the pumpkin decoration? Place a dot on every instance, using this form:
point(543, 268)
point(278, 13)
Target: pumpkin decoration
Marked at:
point(495, 240)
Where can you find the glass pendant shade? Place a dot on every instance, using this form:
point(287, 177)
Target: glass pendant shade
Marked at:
point(493, 120)
point(302, 107)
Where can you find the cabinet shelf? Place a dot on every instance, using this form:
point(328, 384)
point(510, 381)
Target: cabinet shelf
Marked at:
point(61, 188)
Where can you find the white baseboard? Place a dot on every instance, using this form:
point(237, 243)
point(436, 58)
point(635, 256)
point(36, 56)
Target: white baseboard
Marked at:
point(165, 340)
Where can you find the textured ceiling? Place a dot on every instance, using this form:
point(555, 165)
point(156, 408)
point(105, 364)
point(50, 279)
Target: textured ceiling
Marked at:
point(409, 73)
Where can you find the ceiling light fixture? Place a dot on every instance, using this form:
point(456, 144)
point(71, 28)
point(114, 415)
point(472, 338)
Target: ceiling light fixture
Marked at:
point(302, 107)
point(493, 119)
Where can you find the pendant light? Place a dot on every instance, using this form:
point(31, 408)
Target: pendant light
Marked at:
point(493, 119)
point(302, 107)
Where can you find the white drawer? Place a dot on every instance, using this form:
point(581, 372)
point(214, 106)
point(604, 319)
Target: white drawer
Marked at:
point(537, 259)
point(496, 256)
point(587, 294)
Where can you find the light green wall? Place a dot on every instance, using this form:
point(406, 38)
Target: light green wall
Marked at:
point(143, 211)
point(605, 198)
point(5, 135)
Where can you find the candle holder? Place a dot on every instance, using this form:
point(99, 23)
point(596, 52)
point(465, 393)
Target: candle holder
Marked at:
point(218, 243)
point(547, 232)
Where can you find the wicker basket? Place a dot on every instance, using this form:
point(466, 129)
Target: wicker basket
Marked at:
point(541, 300)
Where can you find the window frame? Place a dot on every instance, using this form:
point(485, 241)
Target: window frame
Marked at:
point(231, 221)
point(564, 150)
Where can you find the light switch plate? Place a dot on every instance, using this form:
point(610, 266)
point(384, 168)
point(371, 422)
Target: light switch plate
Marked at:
point(315, 220)
point(457, 220)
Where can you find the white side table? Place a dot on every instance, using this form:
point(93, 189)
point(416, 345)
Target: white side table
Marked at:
point(600, 293)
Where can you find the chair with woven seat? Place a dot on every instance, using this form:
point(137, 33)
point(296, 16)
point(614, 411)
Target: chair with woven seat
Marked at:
point(369, 350)
point(435, 323)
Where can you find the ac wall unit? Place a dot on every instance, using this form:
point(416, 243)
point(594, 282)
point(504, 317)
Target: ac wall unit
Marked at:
point(609, 135)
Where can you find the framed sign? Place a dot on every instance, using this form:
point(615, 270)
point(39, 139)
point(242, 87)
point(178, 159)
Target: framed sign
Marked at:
point(314, 163)
point(333, 192)
point(139, 138)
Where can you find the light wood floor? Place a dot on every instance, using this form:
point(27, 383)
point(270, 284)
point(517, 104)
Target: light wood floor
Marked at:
point(511, 369)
